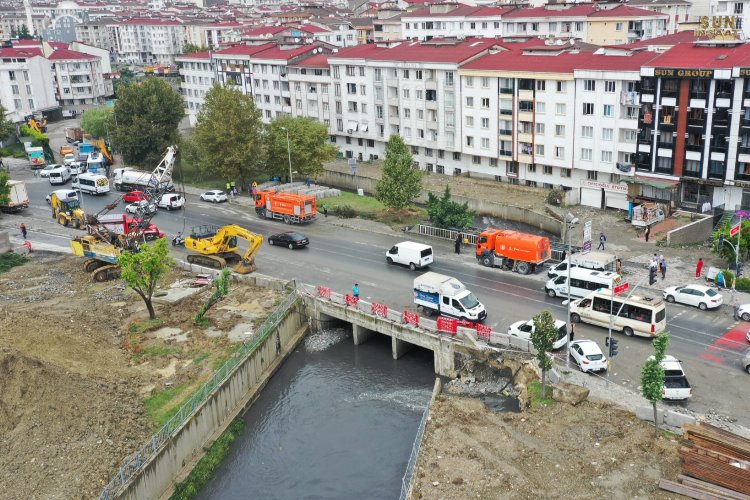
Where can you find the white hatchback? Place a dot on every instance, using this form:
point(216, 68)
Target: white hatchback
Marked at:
point(700, 296)
point(142, 206)
point(524, 329)
point(588, 356)
point(216, 196)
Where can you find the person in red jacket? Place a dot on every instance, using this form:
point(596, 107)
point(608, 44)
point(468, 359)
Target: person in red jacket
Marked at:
point(699, 268)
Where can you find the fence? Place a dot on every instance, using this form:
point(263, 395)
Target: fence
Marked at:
point(447, 234)
point(135, 463)
point(409, 473)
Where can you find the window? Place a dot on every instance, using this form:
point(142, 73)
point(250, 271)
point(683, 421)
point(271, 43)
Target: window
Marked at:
point(469, 121)
point(560, 109)
point(405, 93)
point(609, 86)
point(566, 172)
point(469, 102)
point(419, 94)
point(606, 156)
point(592, 175)
point(485, 143)
point(485, 123)
point(351, 88)
point(630, 135)
point(420, 114)
point(561, 87)
point(541, 108)
point(540, 85)
point(469, 141)
point(540, 128)
point(378, 111)
point(486, 102)
point(539, 150)
point(476, 160)
point(618, 26)
point(406, 74)
point(407, 132)
point(559, 152)
point(547, 170)
point(407, 113)
point(559, 130)
point(14, 88)
point(450, 119)
point(585, 154)
point(420, 133)
point(469, 81)
point(449, 78)
point(607, 134)
point(588, 108)
point(587, 131)
point(485, 82)
point(589, 85)
point(609, 110)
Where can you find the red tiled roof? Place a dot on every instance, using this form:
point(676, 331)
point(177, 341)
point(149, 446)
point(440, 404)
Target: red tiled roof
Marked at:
point(316, 61)
point(583, 10)
point(66, 54)
point(690, 56)
point(284, 54)
point(264, 30)
point(21, 52)
point(489, 11)
point(687, 36)
point(153, 22)
point(195, 55)
point(420, 52)
point(561, 63)
point(244, 50)
point(627, 11)
point(311, 28)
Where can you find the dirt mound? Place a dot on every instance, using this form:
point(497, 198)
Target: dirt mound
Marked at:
point(588, 451)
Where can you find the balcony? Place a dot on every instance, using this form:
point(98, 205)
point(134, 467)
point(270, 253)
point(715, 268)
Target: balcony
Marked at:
point(743, 150)
point(506, 111)
point(432, 124)
point(643, 166)
point(665, 145)
point(669, 93)
point(504, 152)
point(430, 85)
point(431, 104)
point(698, 148)
point(505, 131)
point(506, 90)
point(723, 95)
point(696, 174)
point(744, 122)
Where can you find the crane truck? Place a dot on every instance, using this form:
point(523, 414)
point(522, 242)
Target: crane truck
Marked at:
point(292, 208)
point(216, 247)
point(512, 250)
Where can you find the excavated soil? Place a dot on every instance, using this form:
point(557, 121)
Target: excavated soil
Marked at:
point(76, 367)
point(592, 450)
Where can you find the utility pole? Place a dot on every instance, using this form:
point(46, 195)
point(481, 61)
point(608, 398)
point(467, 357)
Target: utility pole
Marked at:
point(570, 222)
point(289, 153)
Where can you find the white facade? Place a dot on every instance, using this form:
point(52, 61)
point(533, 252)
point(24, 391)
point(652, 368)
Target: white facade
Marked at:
point(738, 8)
point(146, 41)
point(78, 80)
point(95, 34)
point(311, 90)
point(25, 84)
point(198, 75)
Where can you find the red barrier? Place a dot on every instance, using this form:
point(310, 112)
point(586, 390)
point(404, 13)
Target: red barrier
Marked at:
point(324, 292)
point(379, 309)
point(483, 332)
point(351, 300)
point(465, 323)
point(448, 325)
point(411, 318)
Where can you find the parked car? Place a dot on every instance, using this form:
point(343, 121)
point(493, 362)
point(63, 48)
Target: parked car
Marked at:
point(66, 150)
point(133, 208)
point(45, 171)
point(171, 201)
point(700, 296)
point(289, 239)
point(588, 356)
point(743, 312)
point(524, 329)
point(77, 167)
point(217, 196)
point(746, 361)
point(69, 158)
point(676, 385)
point(134, 196)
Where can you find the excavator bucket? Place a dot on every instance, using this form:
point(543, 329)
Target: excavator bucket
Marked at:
point(245, 267)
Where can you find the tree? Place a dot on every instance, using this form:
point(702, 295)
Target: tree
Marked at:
point(98, 121)
point(229, 135)
point(652, 375)
point(4, 187)
point(142, 270)
point(308, 145)
point(222, 290)
point(191, 48)
point(125, 80)
point(726, 252)
point(446, 213)
point(400, 182)
point(23, 33)
point(146, 117)
point(7, 128)
point(542, 338)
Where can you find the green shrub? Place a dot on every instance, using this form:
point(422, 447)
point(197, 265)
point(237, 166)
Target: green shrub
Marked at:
point(728, 278)
point(743, 284)
point(10, 260)
point(554, 197)
point(344, 211)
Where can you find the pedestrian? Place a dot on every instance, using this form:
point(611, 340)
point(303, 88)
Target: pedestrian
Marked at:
point(22, 227)
point(602, 239)
point(325, 210)
point(458, 244)
point(663, 268)
point(234, 187)
point(647, 232)
point(308, 182)
point(699, 268)
point(618, 267)
point(355, 290)
point(720, 279)
point(736, 307)
point(229, 188)
point(572, 331)
point(653, 264)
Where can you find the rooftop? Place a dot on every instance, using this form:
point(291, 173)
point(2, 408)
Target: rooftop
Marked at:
point(627, 11)
point(692, 56)
point(565, 62)
point(195, 55)
point(67, 54)
point(318, 61)
point(434, 51)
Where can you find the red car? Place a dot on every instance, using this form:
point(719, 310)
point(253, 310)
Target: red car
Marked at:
point(134, 196)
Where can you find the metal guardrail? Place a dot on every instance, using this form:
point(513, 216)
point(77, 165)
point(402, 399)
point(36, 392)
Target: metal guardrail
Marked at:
point(138, 460)
point(409, 473)
point(447, 234)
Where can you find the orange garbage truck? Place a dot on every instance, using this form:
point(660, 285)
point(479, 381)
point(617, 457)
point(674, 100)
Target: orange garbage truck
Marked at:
point(292, 208)
point(512, 250)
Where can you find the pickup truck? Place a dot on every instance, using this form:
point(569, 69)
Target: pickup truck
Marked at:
point(676, 385)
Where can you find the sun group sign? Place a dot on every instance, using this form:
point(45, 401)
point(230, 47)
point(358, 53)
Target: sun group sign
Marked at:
point(718, 27)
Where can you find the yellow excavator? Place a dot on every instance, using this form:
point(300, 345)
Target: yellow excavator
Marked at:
point(217, 246)
point(67, 211)
point(99, 143)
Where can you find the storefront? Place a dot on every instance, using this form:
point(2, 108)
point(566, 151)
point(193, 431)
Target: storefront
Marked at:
point(642, 189)
point(604, 195)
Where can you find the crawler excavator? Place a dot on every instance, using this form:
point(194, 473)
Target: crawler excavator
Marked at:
point(216, 247)
point(102, 246)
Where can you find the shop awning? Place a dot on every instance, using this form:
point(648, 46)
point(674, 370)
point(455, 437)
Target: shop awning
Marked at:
point(655, 183)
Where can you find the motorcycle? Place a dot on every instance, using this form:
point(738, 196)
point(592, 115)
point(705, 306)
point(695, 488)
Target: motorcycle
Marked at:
point(178, 239)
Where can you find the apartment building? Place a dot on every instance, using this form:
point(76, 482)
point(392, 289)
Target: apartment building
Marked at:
point(310, 81)
point(146, 41)
point(679, 11)
point(94, 33)
point(694, 121)
point(197, 75)
point(736, 9)
point(25, 77)
point(453, 20)
point(387, 25)
point(77, 77)
point(624, 24)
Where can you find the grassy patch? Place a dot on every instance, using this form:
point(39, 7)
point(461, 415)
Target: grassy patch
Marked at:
point(535, 394)
point(156, 351)
point(9, 260)
point(191, 174)
point(13, 151)
point(162, 405)
point(200, 357)
point(206, 467)
point(139, 327)
point(367, 207)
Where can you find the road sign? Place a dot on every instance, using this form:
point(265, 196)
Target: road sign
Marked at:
point(621, 288)
point(586, 237)
point(734, 230)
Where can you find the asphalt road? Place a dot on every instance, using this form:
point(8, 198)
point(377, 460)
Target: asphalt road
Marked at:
point(709, 343)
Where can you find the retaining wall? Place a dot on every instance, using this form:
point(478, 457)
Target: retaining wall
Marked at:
point(506, 212)
point(219, 409)
point(695, 232)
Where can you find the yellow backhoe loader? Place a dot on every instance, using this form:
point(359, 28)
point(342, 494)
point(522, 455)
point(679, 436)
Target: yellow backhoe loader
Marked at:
point(67, 211)
point(217, 246)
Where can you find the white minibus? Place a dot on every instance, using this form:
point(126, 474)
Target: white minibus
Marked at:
point(91, 183)
point(639, 315)
point(582, 282)
point(59, 175)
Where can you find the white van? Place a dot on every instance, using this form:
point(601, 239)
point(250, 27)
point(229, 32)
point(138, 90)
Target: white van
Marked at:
point(409, 253)
point(171, 201)
point(582, 282)
point(62, 194)
point(60, 175)
point(598, 261)
point(91, 183)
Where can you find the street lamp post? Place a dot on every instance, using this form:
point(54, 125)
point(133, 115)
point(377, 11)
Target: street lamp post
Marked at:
point(571, 222)
point(288, 152)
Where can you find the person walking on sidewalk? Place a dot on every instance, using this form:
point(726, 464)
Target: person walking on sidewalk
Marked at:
point(699, 268)
point(355, 291)
point(602, 239)
point(325, 210)
point(458, 244)
point(22, 227)
point(647, 232)
point(663, 267)
point(572, 331)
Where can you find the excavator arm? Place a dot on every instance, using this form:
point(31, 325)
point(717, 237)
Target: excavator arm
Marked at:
point(254, 241)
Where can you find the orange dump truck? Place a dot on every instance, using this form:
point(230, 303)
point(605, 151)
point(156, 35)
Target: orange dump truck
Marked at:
point(513, 250)
point(290, 207)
